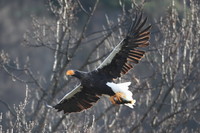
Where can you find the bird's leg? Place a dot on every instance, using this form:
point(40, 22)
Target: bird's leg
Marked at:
point(117, 98)
point(112, 99)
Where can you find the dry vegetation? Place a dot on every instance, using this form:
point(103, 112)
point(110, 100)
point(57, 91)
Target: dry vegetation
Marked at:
point(165, 84)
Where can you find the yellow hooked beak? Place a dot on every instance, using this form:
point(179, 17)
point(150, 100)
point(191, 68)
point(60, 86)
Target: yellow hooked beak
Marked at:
point(70, 72)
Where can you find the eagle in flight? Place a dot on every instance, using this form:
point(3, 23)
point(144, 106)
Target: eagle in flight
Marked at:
point(100, 81)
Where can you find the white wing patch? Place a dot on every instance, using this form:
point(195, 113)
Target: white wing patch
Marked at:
point(71, 93)
point(123, 88)
point(111, 55)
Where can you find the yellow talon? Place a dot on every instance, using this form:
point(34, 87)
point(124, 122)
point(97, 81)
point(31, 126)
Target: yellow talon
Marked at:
point(112, 100)
point(133, 101)
point(117, 97)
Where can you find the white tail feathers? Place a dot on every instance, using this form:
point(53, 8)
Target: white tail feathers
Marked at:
point(123, 88)
point(124, 85)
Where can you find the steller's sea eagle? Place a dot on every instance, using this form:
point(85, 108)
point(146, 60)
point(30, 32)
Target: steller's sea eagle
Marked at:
point(100, 81)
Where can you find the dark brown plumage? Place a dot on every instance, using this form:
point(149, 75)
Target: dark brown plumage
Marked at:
point(121, 63)
point(83, 100)
point(100, 81)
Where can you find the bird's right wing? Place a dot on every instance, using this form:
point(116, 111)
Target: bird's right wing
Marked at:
point(120, 60)
point(77, 100)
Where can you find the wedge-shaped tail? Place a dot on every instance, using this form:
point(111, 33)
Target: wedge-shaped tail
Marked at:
point(122, 94)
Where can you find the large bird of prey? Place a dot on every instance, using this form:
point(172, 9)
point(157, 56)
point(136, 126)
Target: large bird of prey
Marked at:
point(100, 81)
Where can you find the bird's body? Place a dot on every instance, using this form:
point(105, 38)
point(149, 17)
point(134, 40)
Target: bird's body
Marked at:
point(96, 81)
point(101, 80)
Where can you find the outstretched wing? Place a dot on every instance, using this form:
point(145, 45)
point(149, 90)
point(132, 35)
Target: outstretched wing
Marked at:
point(119, 61)
point(77, 100)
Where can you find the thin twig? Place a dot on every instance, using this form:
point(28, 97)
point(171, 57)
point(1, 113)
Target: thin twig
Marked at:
point(9, 108)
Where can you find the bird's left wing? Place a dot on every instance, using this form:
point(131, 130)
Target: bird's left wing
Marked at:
point(77, 100)
point(119, 60)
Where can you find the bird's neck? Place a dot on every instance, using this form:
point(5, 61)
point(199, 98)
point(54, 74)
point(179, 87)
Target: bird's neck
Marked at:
point(79, 74)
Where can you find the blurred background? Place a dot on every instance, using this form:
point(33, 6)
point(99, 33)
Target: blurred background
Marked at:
point(40, 39)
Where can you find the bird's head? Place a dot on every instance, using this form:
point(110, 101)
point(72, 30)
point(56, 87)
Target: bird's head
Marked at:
point(74, 73)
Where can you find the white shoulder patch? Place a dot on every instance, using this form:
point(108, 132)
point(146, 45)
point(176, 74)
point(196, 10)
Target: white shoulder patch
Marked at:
point(111, 55)
point(71, 93)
